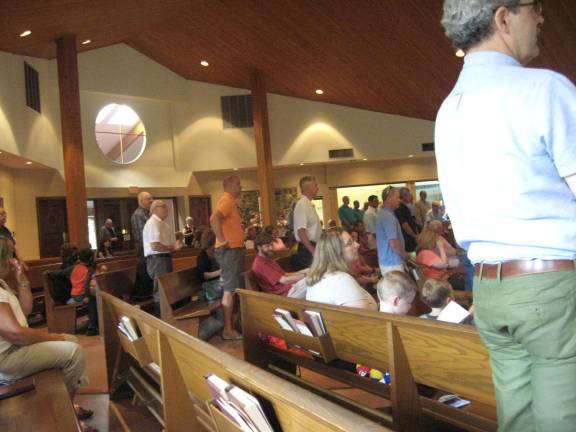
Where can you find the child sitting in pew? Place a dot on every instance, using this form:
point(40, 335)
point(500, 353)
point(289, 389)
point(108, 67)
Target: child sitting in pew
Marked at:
point(396, 291)
point(438, 294)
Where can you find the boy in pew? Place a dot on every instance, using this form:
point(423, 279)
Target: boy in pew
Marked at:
point(396, 291)
point(438, 294)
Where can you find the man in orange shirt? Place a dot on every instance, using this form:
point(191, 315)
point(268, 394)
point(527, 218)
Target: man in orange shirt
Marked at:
point(227, 226)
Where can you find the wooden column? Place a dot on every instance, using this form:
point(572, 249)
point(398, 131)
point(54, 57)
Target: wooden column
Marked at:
point(72, 141)
point(263, 151)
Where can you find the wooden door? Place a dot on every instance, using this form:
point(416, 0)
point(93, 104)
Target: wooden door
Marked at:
point(52, 225)
point(200, 210)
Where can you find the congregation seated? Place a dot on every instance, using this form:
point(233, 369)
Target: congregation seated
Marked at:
point(270, 277)
point(25, 351)
point(208, 268)
point(329, 280)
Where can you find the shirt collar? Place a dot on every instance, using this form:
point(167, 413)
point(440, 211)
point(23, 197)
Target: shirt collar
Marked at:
point(481, 58)
point(156, 217)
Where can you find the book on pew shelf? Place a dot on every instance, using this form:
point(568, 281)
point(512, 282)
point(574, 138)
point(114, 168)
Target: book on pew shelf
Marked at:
point(16, 387)
point(233, 414)
point(217, 386)
point(130, 327)
point(250, 406)
point(303, 328)
point(315, 322)
point(453, 401)
point(453, 313)
point(283, 323)
point(287, 316)
point(123, 330)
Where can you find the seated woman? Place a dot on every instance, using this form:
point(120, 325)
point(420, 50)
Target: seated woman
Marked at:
point(451, 251)
point(432, 255)
point(208, 268)
point(328, 280)
point(25, 351)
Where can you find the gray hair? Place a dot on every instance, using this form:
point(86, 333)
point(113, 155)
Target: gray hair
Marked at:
point(305, 180)
point(469, 22)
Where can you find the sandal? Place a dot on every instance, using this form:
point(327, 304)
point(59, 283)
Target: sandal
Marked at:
point(83, 414)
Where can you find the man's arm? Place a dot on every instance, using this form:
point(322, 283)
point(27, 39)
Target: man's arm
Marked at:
point(290, 278)
point(303, 236)
point(408, 229)
point(397, 247)
point(216, 224)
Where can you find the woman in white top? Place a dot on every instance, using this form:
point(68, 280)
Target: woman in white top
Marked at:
point(25, 351)
point(328, 280)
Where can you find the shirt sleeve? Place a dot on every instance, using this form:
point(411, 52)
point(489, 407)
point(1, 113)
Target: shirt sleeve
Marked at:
point(559, 125)
point(267, 272)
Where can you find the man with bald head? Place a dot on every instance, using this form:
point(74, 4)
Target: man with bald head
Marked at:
point(6, 233)
point(227, 225)
point(143, 284)
point(159, 243)
point(108, 238)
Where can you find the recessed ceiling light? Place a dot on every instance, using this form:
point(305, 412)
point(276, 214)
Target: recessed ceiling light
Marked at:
point(28, 163)
point(1, 152)
point(204, 63)
point(301, 163)
point(235, 169)
point(86, 42)
point(364, 159)
point(26, 33)
point(460, 53)
point(319, 91)
point(410, 156)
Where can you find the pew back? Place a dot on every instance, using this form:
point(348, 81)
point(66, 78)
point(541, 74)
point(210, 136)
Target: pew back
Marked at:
point(448, 357)
point(183, 361)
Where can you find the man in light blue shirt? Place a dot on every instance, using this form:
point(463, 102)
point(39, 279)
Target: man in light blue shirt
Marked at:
point(389, 238)
point(508, 133)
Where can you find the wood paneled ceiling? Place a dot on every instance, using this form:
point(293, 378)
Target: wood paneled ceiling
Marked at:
point(389, 56)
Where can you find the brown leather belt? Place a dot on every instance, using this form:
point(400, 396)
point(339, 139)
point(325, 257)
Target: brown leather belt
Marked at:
point(523, 267)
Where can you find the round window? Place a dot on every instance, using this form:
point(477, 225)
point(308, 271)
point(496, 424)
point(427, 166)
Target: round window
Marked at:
point(120, 133)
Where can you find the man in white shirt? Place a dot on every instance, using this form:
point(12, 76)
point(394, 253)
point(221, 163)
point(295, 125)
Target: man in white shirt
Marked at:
point(422, 206)
point(159, 242)
point(307, 227)
point(512, 129)
point(370, 218)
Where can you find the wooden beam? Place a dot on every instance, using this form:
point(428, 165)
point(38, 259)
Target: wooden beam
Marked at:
point(263, 150)
point(72, 141)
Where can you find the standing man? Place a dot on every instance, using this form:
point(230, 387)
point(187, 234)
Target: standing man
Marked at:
point(512, 129)
point(6, 233)
point(422, 207)
point(307, 227)
point(370, 218)
point(389, 238)
point(143, 284)
point(227, 226)
point(346, 214)
point(108, 238)
point(358, 213)
point(159, 242)
point(407, 223)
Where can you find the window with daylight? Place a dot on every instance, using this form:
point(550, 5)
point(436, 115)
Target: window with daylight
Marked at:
point(120, 133)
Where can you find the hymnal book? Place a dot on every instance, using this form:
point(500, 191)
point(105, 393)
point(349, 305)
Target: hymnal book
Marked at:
point(250, 406)
point(302, 328)
point(234, 415)
point(129, 328)
point(315, 322)
point(453, 401)
point(217, 386)
point(287, 316)
point(453, 313)
point(283, 323)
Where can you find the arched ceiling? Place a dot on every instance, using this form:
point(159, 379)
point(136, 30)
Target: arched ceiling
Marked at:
point(388, 56)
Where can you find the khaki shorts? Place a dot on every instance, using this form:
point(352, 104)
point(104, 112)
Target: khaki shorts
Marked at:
point(231, 262)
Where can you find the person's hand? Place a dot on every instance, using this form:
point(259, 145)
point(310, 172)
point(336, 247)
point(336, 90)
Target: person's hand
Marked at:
point(23, 265)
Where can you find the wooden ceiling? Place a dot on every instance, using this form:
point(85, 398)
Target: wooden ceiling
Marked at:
point(389, 56)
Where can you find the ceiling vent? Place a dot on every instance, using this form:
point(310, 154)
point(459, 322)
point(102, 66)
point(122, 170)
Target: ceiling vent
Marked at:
point(32, 87)
point(428, 147)
point(236, 111)
point(341, 153)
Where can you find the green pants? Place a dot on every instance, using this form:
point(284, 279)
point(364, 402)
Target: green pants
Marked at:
point(528, 323)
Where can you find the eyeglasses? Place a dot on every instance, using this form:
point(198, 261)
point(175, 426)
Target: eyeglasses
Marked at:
point(538, 6)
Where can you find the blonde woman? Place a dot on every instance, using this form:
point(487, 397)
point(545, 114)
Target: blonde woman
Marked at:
point(328, 280)
point(25, 351)
point(432, 256)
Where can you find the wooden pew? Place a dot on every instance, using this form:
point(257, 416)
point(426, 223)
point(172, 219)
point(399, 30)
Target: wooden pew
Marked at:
point(47, 408)
point(181, 300)
point(120, 283)
point(448, 357)
point(181, 400)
